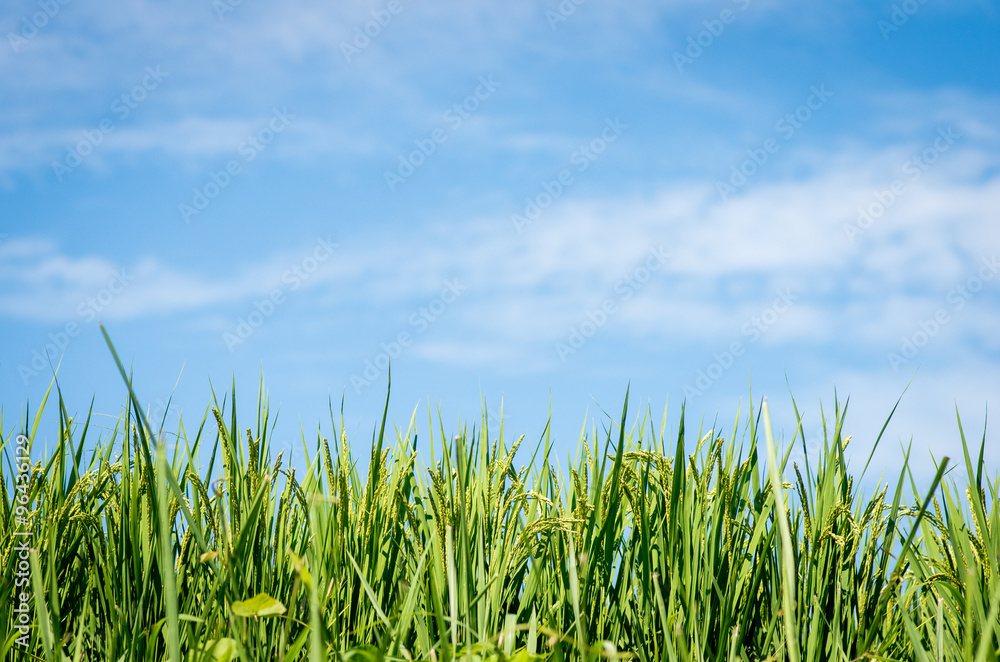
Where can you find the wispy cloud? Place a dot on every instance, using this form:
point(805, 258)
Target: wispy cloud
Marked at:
point(727, 258)
point(41, 284)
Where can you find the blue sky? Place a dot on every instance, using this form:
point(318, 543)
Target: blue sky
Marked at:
point(526, 202)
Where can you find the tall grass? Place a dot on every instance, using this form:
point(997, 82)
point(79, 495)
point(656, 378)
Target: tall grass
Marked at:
point(690, 548)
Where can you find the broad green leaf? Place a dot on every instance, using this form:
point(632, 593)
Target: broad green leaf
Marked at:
point(221, 650)
point(260, 605)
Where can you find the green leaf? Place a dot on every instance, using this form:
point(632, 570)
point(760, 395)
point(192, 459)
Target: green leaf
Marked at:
point(260, 606)
point(222, 650)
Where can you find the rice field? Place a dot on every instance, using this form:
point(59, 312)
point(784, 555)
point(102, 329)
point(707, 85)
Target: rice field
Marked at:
point(701, 546)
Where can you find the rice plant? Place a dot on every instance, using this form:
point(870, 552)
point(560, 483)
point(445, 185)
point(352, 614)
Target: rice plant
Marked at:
point(689, 548)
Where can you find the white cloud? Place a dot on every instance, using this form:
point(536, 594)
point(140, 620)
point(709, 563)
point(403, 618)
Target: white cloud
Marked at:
point(43, 285)
point(224, 72)
point(727, 261)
